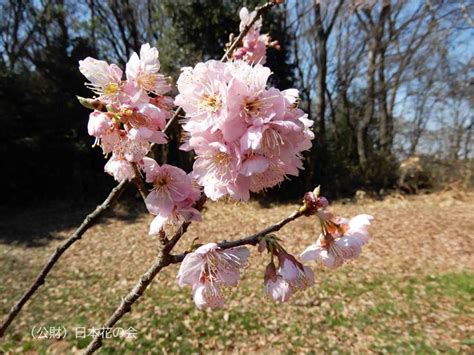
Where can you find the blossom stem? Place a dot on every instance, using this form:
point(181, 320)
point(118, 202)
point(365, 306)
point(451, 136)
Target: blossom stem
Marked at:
point(258, 12)
point(162, 259)
point(77, 235)
point(249, 240)
point(88, 222)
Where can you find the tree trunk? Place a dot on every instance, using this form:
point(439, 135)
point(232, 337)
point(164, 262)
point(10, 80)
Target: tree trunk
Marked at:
point(321, 86)
point(386, 123)
point(369, 107)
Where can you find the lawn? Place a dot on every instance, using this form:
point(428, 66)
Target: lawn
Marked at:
point(411, 291)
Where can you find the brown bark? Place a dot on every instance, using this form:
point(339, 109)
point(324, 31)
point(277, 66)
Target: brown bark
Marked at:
point(386, 120)
point(374, 32)
point(322, 35)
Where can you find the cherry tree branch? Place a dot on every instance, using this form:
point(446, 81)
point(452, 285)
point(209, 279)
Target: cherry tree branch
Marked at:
point(259, 11)
point(88, 222)
point(164, 259)
point(249, 240)
point(161, 261)
point(77, 235)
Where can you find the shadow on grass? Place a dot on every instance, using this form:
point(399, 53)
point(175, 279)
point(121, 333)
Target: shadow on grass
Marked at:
point(36, 226)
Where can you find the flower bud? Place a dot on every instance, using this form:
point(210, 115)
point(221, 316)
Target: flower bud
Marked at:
point(322, 202)
point(310, 202)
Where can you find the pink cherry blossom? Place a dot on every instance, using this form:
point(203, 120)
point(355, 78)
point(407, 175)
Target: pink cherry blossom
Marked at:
point(254, 45)
point(105, 80)
point(137, 111)
point(246, 17)
point(299, 277)
point(119, 168)
point(100, 123)
point(334, 249)
point(172, 197)
point(290, 277)
point(247, 137)
point(215, 169)
point(275, 285)
point(203, 95)
point(209, 268)
point(143, 71)
point(208, 295)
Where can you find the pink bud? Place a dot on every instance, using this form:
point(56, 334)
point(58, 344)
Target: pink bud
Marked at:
point(98, 124)
point(323, 202)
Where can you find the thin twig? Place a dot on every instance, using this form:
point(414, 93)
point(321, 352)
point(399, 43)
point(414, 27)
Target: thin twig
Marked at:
point(85, 225)
point(258, 13)
point(40, 279)
point(164, 258)
point(249, 240)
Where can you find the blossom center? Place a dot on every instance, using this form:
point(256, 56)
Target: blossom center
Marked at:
point(252, 106)
point(211, 102)
point(111, 88)
point(161, 181)
point(272, 140)
point(147, 80)
point(221, 159)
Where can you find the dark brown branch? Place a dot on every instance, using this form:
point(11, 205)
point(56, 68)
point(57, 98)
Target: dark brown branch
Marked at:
point(40, 279)
point(162, 260)
point(85, 225)
point(249, 240)
point(259, 11)
point(164, 256)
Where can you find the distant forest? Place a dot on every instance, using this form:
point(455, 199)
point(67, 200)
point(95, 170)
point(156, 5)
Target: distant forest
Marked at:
point(383, 81)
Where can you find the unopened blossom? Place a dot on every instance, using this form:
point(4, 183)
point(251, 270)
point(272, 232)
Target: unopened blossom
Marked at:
point(275, 285)
point(340, 243)
point(173, 195)
point(312, 203)
point(246, 137)
point(208, 269)
point(254, 44)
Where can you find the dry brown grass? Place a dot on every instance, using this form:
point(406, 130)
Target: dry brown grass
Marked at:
point(411, 290)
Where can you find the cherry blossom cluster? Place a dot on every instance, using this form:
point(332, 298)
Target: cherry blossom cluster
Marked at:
point(247, 137)
point(136, 109)
point(254, 45)
point(173, 195)
point(209, 268)
point(290, 276)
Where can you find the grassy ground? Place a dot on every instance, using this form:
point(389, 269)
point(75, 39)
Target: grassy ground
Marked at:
point(411, 291)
